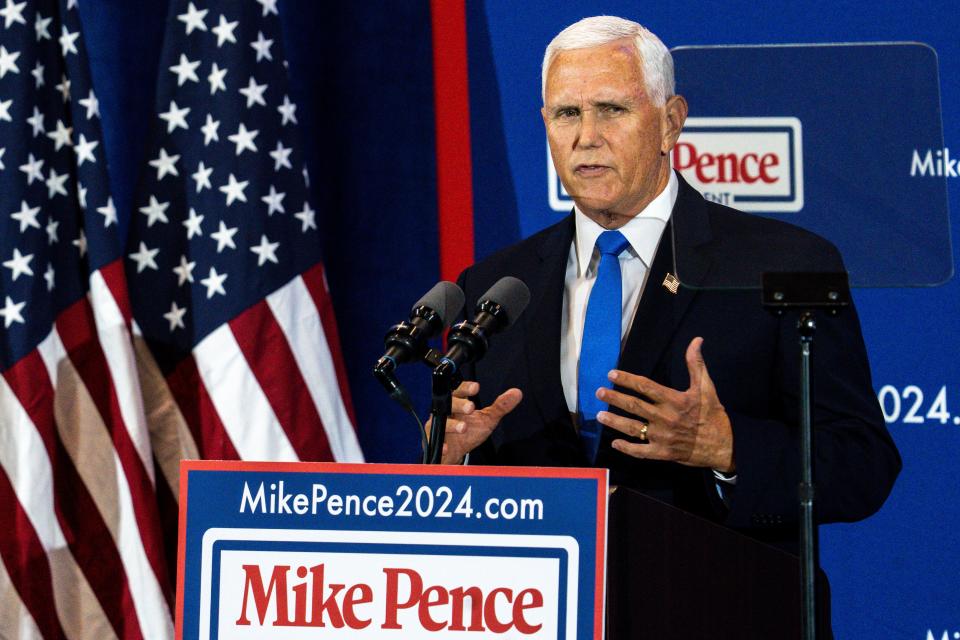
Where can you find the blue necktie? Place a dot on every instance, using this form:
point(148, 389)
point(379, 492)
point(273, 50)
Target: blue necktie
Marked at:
point(600, 347)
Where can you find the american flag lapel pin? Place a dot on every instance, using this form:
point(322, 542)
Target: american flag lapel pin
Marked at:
point(671, 283)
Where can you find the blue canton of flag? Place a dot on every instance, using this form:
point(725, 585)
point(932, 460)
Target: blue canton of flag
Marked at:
point(80, 495)
point(223, 253)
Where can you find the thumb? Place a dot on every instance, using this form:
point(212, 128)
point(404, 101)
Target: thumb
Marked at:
point(505, 403)
point(696, 367)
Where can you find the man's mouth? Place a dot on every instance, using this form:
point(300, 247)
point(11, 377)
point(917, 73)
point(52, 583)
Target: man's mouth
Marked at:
point(590, 170)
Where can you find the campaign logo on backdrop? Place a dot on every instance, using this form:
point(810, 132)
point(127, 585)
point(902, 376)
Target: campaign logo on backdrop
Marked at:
point(751, 164)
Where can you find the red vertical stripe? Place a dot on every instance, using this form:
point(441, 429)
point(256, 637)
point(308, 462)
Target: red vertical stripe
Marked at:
point(116, 281)
point(76, 328)
point(27, 562)
point(272, 362)
point(452, 112)
point(201, 416)
point(90, 541)
point(316, 283)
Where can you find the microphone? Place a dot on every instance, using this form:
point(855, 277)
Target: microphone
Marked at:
point(497, 309)
point(407, 341)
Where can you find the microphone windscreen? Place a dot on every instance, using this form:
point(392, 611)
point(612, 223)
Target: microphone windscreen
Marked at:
point(445, 298)
point(511, 294)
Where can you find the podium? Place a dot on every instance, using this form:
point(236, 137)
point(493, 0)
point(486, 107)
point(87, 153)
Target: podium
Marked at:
point(671, 574)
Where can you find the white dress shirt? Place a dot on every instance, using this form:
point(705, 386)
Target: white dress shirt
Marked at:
point(644, 233)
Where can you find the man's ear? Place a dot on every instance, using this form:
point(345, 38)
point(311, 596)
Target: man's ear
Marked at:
point(674, 115)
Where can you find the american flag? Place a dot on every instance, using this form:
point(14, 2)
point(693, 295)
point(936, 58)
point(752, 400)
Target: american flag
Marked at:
point(210, 335)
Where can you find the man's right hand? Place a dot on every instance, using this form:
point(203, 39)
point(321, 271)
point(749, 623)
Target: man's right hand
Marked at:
point(467, 426)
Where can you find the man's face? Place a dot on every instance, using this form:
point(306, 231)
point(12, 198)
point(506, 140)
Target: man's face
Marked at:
point(608, 141)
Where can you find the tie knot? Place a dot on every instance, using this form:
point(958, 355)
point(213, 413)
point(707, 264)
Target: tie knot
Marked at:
point(611, 243)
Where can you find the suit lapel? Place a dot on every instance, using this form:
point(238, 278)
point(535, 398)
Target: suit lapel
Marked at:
point(660, 311)
point(542, 328)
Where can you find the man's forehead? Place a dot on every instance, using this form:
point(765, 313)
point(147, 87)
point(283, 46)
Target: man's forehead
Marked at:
point(608, 71)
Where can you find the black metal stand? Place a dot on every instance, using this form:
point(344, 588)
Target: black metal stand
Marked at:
point(443, 382)
point(806, 292)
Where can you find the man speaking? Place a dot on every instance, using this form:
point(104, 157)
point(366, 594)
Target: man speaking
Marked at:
point(689, 396)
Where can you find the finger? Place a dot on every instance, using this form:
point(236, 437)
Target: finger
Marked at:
point(649, 451)
point(463, 407)
point(641, 384)
point(466, 389)
point(455, 426)
point(626, 426)
point(628, 403)
point(505, 403)
point(695, 364)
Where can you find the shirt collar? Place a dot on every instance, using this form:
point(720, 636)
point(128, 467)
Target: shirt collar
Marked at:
point(643, 231)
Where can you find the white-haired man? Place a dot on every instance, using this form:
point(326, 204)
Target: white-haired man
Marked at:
point(566, 386)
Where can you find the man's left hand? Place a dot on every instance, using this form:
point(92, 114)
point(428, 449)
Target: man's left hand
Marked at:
point(690, 427)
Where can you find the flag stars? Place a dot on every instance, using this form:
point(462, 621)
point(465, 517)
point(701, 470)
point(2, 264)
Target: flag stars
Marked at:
point(262, 46)
point(37, 74)
point(224, 237)
point(184, 271)
point(224, 31)
point(155, 211)
point(193, 19)
point(49, 275)
point(281, 157)
point(81, 243)
point(165, 164)
point(11, 312)
point(234, 190)
point(175, 117)
point(13, 12)
point(64, 88)
point(92, 105)
point(144, 258)
point(307, 216)
point(266, 251)
point(82, 196)
point(216, 79)
point(68, 41)
point(185, 70)
point(109, 213)
point(27, 216)
point(214, 283)
point(254, 93)
point(8, 61)
point(243, 138)
point(2, 151)
point(5, 110)
point(269, 6)
point(19, 264)
point(175, 316)
point(33, 169)
point(51, 230)
point(40, 26)
point(288, 111)
point(35, 121)
point(55, 184)
point(192, 223)
point(210, 130)
point(202, 177)
point(61, 137)
point(274, 201)
point(84, 150)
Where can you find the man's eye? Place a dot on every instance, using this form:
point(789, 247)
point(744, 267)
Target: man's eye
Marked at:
point(612, 109)
point(567, 113)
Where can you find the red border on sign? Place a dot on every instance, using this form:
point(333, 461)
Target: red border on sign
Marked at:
point(600, 475)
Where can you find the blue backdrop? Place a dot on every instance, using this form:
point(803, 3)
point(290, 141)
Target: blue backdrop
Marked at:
point(362, 77)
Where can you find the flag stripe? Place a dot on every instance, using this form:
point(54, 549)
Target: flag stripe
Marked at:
point(90, 540)
point(211, 437)
point(75, 330)
point(27, 563)
point(297, 314)
point(239, 401)
point(15, 618)
point(266, 350)
point(113, 277)
point(315, 280)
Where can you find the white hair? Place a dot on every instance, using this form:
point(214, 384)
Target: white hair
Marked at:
point(656, 63)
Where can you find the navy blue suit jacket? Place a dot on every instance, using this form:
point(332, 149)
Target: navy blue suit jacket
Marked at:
point(752, 357)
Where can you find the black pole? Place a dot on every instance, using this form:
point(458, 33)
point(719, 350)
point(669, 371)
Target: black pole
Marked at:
point(807, 327)
point(442, 384)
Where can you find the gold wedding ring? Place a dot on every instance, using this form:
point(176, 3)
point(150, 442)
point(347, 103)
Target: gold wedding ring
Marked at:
point(643, 433)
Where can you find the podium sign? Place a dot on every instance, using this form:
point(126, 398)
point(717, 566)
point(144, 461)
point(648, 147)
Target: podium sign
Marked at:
point(277, 551)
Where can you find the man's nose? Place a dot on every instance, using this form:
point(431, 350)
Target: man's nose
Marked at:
point(589, 130)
